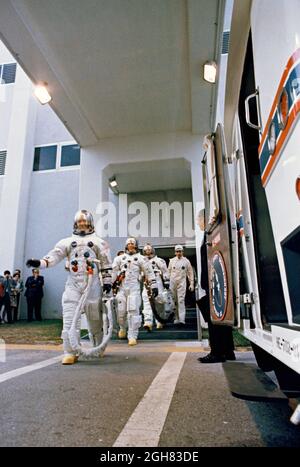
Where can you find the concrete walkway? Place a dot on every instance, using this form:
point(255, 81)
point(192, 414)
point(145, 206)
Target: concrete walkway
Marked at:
point(154, 394)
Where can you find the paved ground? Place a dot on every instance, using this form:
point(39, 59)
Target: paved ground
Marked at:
point(103, 403)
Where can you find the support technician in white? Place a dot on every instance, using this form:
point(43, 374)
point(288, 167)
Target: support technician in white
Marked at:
point(180, 269)
point(162, 280)
point(128, 270)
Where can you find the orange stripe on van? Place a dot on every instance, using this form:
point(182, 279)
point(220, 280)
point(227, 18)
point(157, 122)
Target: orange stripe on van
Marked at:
point(289, 65)
point(275, 157)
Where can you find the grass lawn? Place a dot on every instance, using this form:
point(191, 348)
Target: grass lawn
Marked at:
point(239, 340)
point(37, 332)
point(49, 331)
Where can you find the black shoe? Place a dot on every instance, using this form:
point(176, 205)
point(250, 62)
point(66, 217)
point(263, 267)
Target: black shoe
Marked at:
point(230, 356)
point(210, 358)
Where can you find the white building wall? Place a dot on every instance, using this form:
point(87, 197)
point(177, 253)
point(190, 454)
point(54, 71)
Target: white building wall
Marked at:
point(38, 207)
point(49, 129)
point(1, 186)
point(53, 202)
point(6, 96)
point(5, 55)
point(16, 182)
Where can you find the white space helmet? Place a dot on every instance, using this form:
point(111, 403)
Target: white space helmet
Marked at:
point(148, 246)
point(83, 214)
point(132, 240)
point(178, 248)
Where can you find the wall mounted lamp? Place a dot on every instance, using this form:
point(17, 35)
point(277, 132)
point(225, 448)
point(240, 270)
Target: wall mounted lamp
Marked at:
point(210, 71)
point(113, 182)
point(42, 93)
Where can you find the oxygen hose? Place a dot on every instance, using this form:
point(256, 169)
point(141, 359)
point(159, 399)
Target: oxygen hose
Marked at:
point(73, 337)
point(99, 349)
point(79, 309)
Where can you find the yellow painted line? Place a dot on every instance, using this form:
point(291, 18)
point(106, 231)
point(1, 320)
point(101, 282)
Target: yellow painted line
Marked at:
point(120, 347)
point(138, 349)
point(114, 348)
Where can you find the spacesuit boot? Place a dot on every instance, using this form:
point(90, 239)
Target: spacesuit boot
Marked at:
point(69, 359)
point(70, 356)
point(122, 334)
point(132, 341)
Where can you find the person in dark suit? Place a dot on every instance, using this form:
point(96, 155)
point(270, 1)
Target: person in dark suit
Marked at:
point(34, 294)
point(220, 336)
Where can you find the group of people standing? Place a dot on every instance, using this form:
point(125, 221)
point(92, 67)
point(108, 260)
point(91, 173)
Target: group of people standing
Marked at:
point(91, 273)
point(11, 288)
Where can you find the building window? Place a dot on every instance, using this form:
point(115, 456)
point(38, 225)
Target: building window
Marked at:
point(8, 73)
point(45, 158)
point(2, 162)
point(70, 155)
point(225, 42)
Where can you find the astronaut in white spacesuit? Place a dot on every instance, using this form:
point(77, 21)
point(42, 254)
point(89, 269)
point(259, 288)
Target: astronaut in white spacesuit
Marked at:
point(127, 271)
point(89, 264)
point(163, 282)
point(180, 269)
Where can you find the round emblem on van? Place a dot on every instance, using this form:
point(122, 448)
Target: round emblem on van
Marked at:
point(219, 288)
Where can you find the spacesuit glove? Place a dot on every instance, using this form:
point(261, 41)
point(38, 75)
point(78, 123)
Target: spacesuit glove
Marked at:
point(33, 263)
point(155, 292)
point(107, 288)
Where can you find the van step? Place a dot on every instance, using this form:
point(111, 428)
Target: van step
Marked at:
point(247, 381)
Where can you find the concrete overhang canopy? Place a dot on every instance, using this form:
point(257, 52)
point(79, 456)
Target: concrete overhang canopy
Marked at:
point(156, 175)
point(118, 67)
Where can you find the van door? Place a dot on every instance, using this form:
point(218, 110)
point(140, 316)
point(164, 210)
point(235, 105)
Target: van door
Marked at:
point(221, 231)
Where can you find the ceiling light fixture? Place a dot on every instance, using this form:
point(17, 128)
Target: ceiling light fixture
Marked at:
point(210, 71)
point(113, 182)
point(42, 93)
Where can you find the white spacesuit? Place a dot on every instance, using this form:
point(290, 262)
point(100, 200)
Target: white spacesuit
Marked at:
point(162, 280)
point(180, 268)
point(127, 271)
point(88, 256)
